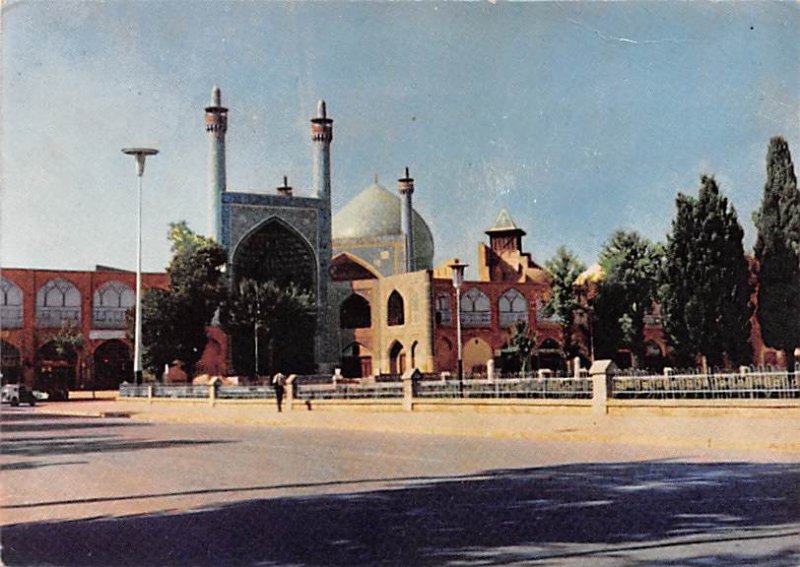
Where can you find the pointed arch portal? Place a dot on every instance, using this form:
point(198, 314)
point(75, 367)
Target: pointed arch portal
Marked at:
point(274, 251)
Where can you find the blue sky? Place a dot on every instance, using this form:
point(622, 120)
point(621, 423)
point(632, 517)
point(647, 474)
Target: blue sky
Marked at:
point(579, 118)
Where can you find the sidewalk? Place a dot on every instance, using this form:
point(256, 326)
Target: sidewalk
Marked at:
point(775, 433)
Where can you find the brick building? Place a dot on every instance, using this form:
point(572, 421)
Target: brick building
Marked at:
point(89, 306)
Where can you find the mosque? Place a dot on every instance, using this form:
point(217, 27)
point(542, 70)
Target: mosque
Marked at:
point(381, 304)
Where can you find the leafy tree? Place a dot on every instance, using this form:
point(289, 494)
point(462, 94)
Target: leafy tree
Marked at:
point(706, 289)
point(520, 346)
point(282, 320)
point(175, 320)
point(631, 265)
point(778, 252)
point(565, 267)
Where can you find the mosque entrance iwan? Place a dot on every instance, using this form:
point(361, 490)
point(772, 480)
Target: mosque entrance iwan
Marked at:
point(276, 252)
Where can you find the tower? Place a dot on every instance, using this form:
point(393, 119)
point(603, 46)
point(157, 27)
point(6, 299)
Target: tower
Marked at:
point(216, 126)
point(406, 187)
point(322, 136)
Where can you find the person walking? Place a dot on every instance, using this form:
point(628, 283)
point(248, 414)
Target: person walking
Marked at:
point(279, 382)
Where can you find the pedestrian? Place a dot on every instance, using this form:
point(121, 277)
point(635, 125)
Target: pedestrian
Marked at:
point(279, 382)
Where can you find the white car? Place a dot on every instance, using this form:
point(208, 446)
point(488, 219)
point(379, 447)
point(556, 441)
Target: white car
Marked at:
point(15, 394)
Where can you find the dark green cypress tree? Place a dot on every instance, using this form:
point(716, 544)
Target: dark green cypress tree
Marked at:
point(778, 253)
point(706, 280)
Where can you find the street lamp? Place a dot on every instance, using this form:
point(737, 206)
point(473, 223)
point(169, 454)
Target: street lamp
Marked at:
point(140, 154)
point(458, 279)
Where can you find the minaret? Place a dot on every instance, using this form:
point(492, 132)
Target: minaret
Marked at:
point(322, 135)
point(216, 126)
point(406, 187)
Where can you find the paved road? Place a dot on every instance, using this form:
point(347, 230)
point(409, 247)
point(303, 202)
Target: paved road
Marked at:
point(93, 491)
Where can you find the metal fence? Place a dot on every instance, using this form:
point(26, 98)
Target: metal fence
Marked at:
point(731, 385)
point(350, 391)
point(513, 388)
point(245, 392)
point(131, 391)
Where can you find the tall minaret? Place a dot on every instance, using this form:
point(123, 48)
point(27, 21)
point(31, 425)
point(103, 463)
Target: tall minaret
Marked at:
point(406, 187)
point(322, 135)
point(216, 126)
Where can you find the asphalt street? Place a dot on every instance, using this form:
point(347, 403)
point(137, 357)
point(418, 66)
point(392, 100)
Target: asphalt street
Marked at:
point(107, 491)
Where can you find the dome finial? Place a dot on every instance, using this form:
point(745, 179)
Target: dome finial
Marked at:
point(321, 110)
point(216, 96)
point(376, 179)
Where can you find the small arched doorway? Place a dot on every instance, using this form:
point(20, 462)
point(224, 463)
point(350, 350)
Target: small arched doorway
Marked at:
point(356, 361)
point(477, 352)
point(56, 370)
point(397, 358)
point(112, 365)
point(11, 363)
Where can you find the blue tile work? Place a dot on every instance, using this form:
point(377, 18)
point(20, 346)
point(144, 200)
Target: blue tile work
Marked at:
point(242, 213)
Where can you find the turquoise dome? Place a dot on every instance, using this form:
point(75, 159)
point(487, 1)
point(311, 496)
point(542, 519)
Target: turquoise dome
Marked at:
point(375, 212)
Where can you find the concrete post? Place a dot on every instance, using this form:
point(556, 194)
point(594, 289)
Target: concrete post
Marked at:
point(409, 377)
point(212, 393)
point(601, 373)
point(150, 394)
point(576, 367)
point(289, 392)
point(490, 370)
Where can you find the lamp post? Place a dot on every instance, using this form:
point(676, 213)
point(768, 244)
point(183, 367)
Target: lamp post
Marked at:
point(458, 279)
point(140, 154)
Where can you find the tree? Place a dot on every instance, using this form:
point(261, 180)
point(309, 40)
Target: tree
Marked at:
point(175, 320)
point(520, 345)
point(706, 280)
point(631, 265)
point(281, 318)
point(565, 267)
point(777, 250)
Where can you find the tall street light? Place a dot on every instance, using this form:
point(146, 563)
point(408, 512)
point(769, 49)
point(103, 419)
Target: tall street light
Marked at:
point(458, 279)
point(140, 154)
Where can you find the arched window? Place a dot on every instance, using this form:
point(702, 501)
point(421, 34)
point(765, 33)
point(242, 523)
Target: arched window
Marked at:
point(396, 308)
point(354, 313)
point(476, 310)
point(58, 302)
point(513, 307)
point(10, 305)
point(444, 312)
point(111, 302)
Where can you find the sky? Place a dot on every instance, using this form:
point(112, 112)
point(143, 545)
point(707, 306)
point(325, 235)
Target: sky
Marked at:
point(580, 118)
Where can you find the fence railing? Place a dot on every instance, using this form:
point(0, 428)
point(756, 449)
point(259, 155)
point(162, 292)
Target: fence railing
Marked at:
point(565, 388)
point(694, 386)
point(375, 390)
point(598, 388)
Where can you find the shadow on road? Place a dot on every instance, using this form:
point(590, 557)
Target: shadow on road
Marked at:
point(491, 518)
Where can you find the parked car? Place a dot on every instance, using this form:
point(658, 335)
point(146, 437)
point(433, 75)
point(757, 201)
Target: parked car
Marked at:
point(15, 394)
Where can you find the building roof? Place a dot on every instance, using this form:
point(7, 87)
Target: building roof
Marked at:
point(375, 212)
point(592, 274)
point(504, 223)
